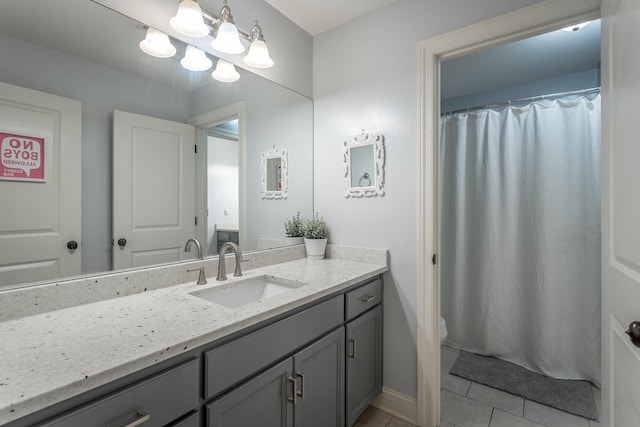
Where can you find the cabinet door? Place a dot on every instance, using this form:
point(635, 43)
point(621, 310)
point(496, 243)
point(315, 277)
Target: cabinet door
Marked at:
point(262, 401)
point(364, 362)
point(319, 371)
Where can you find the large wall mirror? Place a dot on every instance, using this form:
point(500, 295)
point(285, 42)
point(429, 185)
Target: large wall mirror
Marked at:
point(81, 50)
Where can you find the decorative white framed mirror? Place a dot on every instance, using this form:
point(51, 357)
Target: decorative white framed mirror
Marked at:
point(275, 174)
point(363, 164)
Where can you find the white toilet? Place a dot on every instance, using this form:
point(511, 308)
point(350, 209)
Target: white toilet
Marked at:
point(443, 330)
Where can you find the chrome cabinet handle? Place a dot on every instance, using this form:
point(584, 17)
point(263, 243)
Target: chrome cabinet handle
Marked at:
point(634, 332)
point(142, 417)
point(293, 399)
point(367, 298)
point(301, 392)
point(353, 353)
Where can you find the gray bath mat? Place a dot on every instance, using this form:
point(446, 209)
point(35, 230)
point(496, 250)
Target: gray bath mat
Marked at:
point(572, 396)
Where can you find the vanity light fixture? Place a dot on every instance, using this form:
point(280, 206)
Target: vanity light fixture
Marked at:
point(188, 20)
point(228, 38)
point(195, 59)
point(193, 21)
point(258, 56)
point(225, 72)
point(576, 27)
point(156, 43)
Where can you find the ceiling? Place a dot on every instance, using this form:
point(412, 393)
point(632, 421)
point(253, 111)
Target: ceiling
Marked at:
point(537, 58)
point(316, 17)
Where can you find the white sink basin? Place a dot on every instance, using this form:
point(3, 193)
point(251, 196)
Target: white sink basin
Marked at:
point(246, 291)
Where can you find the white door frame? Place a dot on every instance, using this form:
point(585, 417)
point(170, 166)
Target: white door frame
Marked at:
point(530, 21)
point(236, 110)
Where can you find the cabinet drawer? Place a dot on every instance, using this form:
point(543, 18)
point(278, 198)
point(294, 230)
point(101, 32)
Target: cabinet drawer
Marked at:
point(363, 298)
point(162, 398)
point(233, 362)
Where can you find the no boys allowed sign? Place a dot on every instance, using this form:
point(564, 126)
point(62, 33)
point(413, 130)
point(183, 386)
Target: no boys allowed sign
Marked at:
point(21, 158)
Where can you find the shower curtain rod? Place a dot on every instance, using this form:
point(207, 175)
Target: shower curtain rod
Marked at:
point(515, 101)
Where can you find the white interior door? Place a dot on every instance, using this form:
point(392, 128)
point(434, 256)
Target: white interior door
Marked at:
point(153, 190)
point(620, 211)
point(40, 185)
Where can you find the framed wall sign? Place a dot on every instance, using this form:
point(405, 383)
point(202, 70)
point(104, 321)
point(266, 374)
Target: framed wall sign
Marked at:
point(21, 158)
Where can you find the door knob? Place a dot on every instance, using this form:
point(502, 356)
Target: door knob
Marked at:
point(122, 242)
point(72, 245)
point(634, 332)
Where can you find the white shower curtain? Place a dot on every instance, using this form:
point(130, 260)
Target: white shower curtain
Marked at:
point(520, 231)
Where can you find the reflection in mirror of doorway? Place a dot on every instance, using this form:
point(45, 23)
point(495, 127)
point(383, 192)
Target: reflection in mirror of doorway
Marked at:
point(223, 185)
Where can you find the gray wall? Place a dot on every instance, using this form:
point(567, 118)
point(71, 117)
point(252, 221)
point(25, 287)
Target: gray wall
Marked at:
point(101, 90)
point(276, 117)
point(565, 83)
point(366, 77)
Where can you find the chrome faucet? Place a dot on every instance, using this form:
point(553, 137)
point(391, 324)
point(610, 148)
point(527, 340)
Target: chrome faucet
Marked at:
point(187, 247)
point(222, 269)
point(202, 279)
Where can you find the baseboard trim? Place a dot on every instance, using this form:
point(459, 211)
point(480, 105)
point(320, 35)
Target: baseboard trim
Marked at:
point(397, 404)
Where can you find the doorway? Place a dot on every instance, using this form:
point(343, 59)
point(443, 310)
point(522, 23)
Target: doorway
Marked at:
point(517, 25)
point(520, 229)
point(223, 184)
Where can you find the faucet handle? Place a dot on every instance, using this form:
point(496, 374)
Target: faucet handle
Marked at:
point(202, 279)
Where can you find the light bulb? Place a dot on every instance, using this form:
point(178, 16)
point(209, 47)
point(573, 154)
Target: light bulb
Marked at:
point(258, 56)
point(225, 72)
point(188, 20)
point(195, 59)
point(156, 43)
point(228, 39)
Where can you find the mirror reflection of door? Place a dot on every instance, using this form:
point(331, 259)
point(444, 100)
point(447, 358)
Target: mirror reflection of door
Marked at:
point(362, 166)
point(40, 223)
point(274, 174)
point(223, 185)
point(153, 190)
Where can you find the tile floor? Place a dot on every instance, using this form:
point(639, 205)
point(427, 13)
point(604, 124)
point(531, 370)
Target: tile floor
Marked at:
point(373, 417)
point(468, 404)
point(464, 403)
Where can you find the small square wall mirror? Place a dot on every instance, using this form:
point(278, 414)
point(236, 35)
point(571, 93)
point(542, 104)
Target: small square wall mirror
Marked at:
point(363, 158)
point(274, 174)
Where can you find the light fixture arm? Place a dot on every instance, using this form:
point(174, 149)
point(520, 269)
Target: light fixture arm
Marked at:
point(256, 32)
point(214, 21)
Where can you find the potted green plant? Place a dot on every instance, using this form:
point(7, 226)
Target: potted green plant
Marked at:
point(294, 230)
point(315, 237)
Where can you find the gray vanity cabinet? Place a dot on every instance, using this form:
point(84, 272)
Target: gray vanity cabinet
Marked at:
point(262, 401)
point(317, 366)
point(363, 349)
point(156, 401)
point(319, 382)
point(306, 389)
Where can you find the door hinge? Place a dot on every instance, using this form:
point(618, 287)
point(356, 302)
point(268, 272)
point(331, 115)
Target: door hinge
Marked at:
point(196, 221)
point(195, 149)
point(434, 259)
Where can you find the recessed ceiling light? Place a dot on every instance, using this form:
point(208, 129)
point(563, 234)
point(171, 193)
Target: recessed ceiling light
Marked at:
point(576, 27)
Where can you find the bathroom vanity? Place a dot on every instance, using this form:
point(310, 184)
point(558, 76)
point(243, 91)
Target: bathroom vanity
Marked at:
point(308, 357)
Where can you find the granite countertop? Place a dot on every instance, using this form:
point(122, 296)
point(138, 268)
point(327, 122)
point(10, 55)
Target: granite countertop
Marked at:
point(50, 357)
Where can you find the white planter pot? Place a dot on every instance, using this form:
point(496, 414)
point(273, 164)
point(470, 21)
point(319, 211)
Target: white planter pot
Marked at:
point(315, 248)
